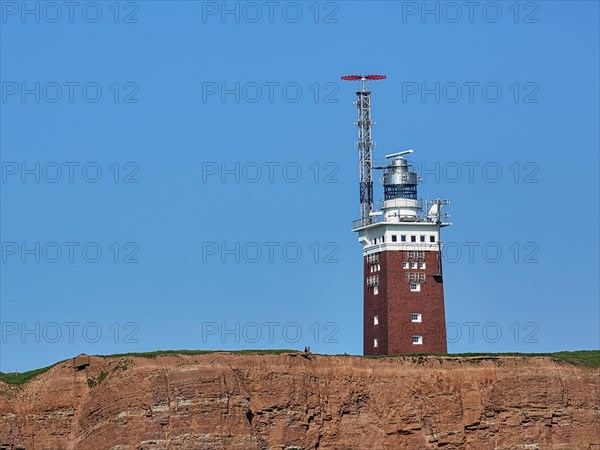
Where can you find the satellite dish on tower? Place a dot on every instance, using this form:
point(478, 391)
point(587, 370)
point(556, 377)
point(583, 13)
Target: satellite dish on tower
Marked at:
point(434, 211)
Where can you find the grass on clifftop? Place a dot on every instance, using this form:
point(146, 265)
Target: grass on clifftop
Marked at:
point(587, 358)
point(584, 358)
point(156, 353)
point(20, 378)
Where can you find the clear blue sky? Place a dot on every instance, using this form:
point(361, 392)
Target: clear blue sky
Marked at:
point(517, 91)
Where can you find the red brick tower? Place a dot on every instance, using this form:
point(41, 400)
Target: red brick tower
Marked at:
point(403, 283)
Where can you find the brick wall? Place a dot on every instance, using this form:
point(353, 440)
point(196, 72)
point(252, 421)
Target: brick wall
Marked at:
point(395, 302)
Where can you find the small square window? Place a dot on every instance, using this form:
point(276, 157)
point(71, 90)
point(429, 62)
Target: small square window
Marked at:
point(405, 265)
point(375, 343)
point(375, 320)
point(421, 265)
point(422, 238)
point(403, 238)
point(413, 239)
point(415, 317)
point(394, 238)
point(431, 238)
point(415, 287)
point(417, 340)
point(413, 265)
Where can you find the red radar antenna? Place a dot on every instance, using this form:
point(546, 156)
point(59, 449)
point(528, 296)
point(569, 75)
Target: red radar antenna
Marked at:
point(360, 77)
point(365, 145)
point(363, 78)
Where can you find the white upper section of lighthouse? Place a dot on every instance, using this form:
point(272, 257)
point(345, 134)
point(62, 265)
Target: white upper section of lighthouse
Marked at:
point(399, 225)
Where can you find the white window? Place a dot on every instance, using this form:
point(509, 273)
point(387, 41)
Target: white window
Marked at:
point(405, 265)
point(375, 343)
point(413, 265)
point(421, 265)
point(415, 317)
point(375, 320)
point(378, 267)
point(415, 287)
point(373, 281)
point(376, 289)
point(417, 340)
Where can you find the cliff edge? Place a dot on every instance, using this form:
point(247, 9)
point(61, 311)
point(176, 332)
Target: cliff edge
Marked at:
point(296, 401)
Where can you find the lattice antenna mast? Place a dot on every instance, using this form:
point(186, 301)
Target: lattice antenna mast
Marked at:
point(365, 143)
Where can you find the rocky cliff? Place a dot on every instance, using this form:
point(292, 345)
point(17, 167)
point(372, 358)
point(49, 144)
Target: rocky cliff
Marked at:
point(294, 401)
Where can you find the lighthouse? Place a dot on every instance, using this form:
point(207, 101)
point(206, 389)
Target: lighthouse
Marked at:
point(403, 282)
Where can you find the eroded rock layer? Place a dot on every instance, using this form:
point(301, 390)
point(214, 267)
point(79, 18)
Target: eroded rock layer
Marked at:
point(290, 401)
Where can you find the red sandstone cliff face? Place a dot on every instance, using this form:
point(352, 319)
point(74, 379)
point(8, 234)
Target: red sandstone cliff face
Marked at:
point(222, 401)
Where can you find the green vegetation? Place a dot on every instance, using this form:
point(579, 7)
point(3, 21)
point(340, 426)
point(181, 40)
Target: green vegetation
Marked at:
point(264, 352)
point(156, 353)
point(585, 358)
point(95, 381)
point(123, 365)
point(581, 358)
point(20, 378)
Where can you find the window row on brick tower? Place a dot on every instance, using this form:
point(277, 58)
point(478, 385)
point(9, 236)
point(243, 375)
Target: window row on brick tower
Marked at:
point(423, 238)
point(411, 277)
point(373, 281)
point(410, 255)
point(415, 277)
point(414, 256)
point(373, 259)
point(416, 340)
point(415, 280)
point(414, 317)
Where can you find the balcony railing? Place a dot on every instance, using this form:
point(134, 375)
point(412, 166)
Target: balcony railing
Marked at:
point(359, 223)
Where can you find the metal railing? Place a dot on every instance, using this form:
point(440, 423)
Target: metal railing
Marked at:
point(359, 223)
